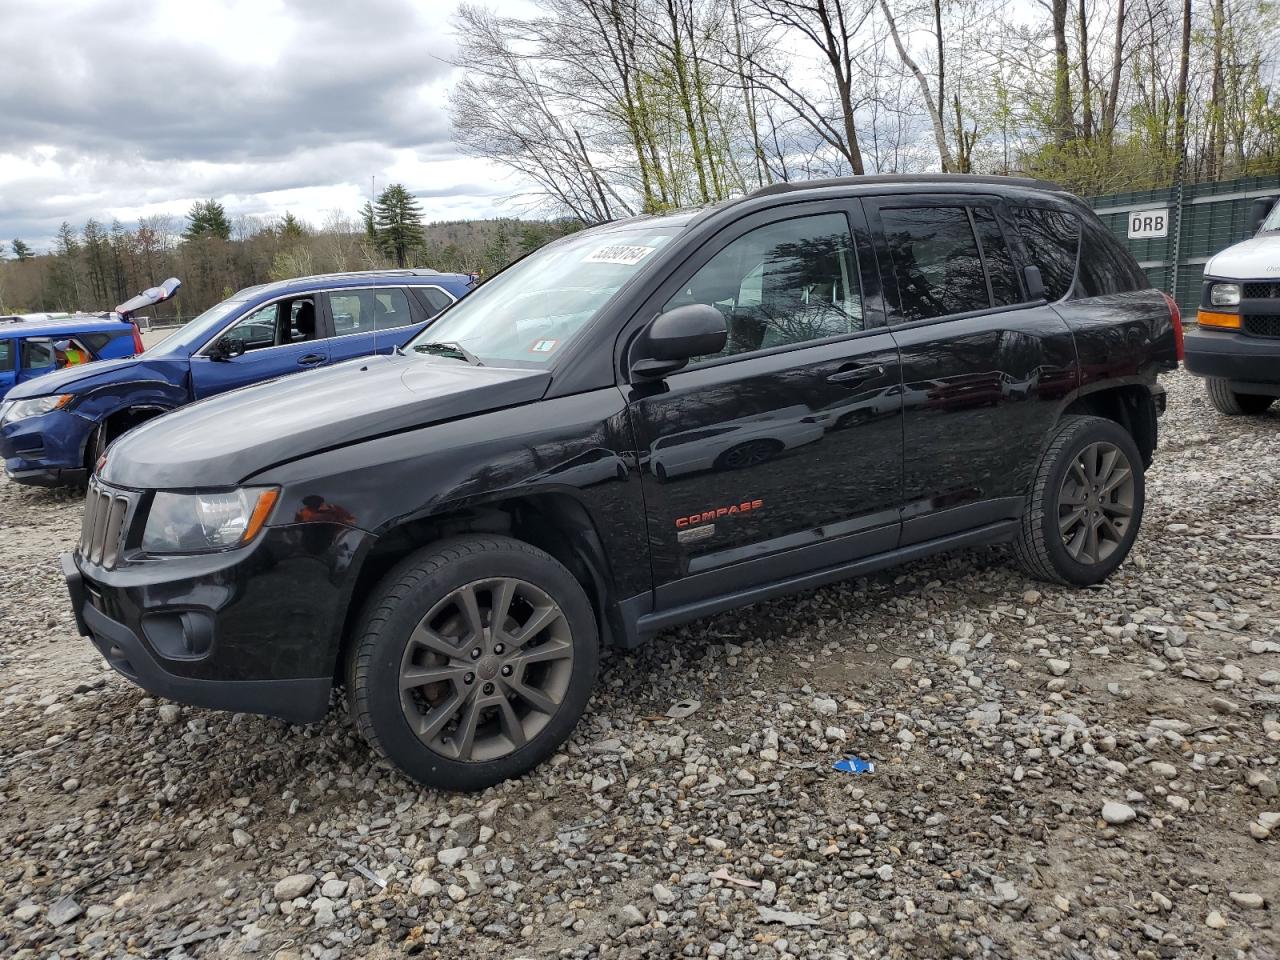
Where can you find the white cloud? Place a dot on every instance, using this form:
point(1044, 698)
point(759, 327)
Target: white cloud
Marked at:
point(121, 108)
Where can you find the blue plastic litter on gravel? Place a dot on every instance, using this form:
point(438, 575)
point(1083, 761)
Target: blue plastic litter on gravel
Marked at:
point(854, 765)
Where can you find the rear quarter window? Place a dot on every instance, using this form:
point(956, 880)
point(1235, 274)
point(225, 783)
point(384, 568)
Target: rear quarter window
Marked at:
point(1106, 267)
point(6, 356)
point(1052, 241)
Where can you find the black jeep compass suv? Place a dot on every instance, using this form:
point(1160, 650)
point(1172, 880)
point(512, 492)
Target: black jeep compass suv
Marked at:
point(638, 425)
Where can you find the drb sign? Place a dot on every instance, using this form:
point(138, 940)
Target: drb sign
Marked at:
point(1146, 224)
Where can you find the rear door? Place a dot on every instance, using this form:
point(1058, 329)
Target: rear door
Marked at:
point(783, 453)
point(372, 320)
point(8, 364)
point(284, 337)
point(36, 357)
point(984, 370)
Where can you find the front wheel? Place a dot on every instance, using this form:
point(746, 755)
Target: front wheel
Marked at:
point(1086, 503)
point(1225, 400)
point(474, 661)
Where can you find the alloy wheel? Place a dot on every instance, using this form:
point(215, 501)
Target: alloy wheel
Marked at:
point(486, 669)
point(1095, 503)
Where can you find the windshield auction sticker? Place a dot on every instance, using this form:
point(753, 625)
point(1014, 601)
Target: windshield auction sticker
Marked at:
point(543, 346)
point(626, 254)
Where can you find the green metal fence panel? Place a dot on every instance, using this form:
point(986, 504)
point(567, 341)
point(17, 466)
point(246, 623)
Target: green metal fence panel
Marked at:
point(1205, 218)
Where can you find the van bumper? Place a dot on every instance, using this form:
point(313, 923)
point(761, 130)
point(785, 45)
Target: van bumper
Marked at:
point(1252, 362)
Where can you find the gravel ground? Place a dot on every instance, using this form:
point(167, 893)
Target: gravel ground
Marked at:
point(1068, 774)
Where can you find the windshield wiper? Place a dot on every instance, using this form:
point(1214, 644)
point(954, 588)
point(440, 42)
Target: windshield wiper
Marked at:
point(455, 350)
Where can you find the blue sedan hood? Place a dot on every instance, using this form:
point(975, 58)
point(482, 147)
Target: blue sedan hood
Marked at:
point(70, 379)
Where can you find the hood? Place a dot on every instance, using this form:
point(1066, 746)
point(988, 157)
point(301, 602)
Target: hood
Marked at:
point(1257, 258)
point(69, 379)
point(220, 441)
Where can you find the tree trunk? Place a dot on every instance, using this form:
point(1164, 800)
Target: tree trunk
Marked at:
point(1086, 96)
point(935, 117)
point(686, 98)
point(1111, 106)
point(1180, 104)
point(1217, 109)
point(1062, 111)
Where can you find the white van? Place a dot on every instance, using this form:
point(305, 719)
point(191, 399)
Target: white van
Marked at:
point(1236, 343)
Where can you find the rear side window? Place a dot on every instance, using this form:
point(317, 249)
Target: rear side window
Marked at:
point(435, 299)
point(6, 356)
point(37, 354)
point(935, 260)
point(362, 311)
point(1005, 289)
point(1105, 266)
point(96, 341)
point(1052, 239)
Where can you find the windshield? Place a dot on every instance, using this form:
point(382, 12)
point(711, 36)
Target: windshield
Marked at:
point(192, 334)
point(1273, 220)
point(529, 313)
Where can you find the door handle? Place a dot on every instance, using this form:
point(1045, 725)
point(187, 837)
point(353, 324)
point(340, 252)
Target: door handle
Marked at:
point(855, 373)
point(311, 360)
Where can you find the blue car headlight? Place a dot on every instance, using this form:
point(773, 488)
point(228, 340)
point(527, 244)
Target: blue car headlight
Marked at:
point(16, 410)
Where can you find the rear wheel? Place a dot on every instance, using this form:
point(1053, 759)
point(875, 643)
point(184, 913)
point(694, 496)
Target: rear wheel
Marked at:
point(474, 661)
point(1085, 505)
point(1225, 400)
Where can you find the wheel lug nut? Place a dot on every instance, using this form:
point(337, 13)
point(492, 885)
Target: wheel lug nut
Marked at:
point(498, 648)
point(506, 671)
point(469, 678)
point(488, 688)
point(475, 654)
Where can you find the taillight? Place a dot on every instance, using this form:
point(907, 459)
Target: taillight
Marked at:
point(138, 346)
point(1175, 316)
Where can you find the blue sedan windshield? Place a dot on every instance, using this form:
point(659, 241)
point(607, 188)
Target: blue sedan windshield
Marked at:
point(191, 336)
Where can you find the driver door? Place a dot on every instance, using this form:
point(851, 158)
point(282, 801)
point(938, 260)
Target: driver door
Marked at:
point(37, 357)
point(283, 337)
point(8, 362)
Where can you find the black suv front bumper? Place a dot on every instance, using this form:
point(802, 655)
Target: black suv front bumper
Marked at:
point(256, 630)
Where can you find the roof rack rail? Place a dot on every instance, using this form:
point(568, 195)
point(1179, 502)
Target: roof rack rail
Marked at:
point(904, 178)
point(394, 272)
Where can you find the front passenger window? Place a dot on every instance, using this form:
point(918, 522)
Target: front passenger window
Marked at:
point(783, 283)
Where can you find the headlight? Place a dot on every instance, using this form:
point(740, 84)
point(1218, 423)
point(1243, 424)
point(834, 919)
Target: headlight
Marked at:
point(200, 522)
point(1225, 294)
point(16, 410)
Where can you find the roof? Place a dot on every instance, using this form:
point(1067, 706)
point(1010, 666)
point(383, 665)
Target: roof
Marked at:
point(76, 323)
point(908, 179)
point(353, 278)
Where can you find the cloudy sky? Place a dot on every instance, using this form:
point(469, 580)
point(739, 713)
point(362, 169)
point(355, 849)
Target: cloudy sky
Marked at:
point(124, 108)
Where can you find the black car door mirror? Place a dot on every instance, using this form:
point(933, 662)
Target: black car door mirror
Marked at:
point(1035, 283)
point(676, 337)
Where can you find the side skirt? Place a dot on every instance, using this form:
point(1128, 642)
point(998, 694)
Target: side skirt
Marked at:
point(643, 626)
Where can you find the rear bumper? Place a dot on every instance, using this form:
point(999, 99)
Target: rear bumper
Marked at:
point(1234, 357)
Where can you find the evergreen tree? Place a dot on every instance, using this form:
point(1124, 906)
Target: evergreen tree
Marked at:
point(291, 228)
point(367, 218)
point(65, 276)
point(22, 250)
point(398, 224)
point(207, 218)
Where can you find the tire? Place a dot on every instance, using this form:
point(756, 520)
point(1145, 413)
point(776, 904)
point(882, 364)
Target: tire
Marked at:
point(1061, 499)
point(555, 666)
point(1225, 400)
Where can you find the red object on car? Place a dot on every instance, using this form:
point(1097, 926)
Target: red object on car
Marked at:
point(138, 345)
point(1175, 315)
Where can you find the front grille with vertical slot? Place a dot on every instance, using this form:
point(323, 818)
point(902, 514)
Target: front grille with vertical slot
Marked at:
point(102, 529)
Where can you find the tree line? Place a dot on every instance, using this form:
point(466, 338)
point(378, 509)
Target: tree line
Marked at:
point(97, 266)
point(614, 107)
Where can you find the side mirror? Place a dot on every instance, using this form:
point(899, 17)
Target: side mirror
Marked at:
point(227, 348)
point(1034, 281)
point(1258, 211)
point(676, 337)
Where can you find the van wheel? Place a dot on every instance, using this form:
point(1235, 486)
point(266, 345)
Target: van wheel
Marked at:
point(1225, 400)
point(1086, 503)
point(474, 661)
